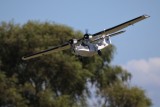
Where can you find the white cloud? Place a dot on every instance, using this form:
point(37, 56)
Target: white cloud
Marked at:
point(146, 74)
point(145, 71)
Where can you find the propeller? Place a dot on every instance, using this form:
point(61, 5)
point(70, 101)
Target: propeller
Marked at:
point(86, 31)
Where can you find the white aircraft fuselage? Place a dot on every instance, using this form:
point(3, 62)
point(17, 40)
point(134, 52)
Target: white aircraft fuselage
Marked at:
point(88, 48)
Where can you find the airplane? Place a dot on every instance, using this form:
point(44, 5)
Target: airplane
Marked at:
point(89, 44)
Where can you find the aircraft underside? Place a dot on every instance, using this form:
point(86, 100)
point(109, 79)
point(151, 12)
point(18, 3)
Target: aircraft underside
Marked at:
point(84, 51)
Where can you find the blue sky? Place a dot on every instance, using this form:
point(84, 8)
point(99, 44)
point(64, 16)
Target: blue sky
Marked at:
point(138, 46)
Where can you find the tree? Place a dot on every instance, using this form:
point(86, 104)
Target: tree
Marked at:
point(59, 79)
point(9, 93)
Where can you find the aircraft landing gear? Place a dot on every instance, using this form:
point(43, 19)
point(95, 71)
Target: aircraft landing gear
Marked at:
point(99, 53)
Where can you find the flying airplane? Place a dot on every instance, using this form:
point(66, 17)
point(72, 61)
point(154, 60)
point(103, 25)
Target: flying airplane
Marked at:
point(89, 44)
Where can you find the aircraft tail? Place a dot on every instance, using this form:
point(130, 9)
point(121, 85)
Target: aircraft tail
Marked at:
point(108, 39)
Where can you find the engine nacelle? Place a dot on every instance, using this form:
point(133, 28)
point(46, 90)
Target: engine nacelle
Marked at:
point(87, 36)
point(73, 41)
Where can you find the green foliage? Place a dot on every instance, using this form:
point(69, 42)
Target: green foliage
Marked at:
point(59, 79)
point(9, 93)
point(124, 96)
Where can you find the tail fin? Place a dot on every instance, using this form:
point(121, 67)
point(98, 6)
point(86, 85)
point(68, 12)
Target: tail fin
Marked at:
point(108, 40)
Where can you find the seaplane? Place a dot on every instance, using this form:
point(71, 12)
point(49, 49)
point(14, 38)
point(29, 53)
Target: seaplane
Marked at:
point(89, 44)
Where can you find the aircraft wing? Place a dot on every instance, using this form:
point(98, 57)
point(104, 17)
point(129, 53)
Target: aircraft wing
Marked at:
point(119, 27)
point(48, 51)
